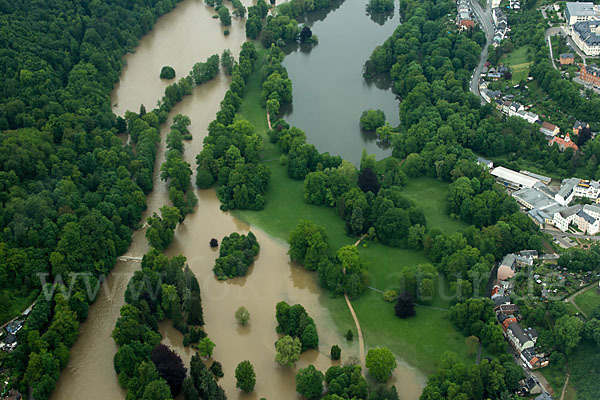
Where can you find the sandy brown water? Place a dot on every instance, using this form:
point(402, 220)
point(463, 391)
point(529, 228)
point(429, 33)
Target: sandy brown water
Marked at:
point(187, 35)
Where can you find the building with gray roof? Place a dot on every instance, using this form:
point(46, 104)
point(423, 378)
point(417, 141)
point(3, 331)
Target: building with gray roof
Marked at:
point(581, 12)
point(586, 36)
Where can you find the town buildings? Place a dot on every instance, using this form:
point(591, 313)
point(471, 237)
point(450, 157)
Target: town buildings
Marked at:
point(590, 73)
point(547, 207)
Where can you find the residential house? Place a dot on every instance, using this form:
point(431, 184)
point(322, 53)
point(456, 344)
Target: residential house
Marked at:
point(563, 144)
point(518, 338)
point(466, 24)
point(506, 321)
point(579, 126)
point(533, 359)
point(530, 386)
point(507, 309)
point(549, 130)
point(14, 327)
point(586, 223)
point(501, 300)
point(567, 59)
point(485, 162)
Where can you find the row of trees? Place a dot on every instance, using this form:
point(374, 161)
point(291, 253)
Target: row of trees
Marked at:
point(175, 170)
point(236, 254)
point(494, 379)
point(346, 382)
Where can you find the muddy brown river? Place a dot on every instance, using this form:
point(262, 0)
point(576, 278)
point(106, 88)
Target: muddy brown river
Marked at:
point(181, 38)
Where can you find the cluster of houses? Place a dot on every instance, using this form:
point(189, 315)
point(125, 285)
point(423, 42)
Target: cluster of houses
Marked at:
point(464, 18)
point(583, 24)
point(501, 27)
point(514, 109)
point(522, 340)
point(548, 207)
point(9, 341)
point(510, 108)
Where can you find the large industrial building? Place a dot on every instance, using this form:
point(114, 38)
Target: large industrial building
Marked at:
point(581, 11)
point(513, 179)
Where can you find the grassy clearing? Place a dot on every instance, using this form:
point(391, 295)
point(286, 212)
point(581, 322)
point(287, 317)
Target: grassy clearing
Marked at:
point(430, 195)
point(420, 341)
point(519, 62)
point(517, 56)
point(13, 305)
point(589, 300)
point(555, 376)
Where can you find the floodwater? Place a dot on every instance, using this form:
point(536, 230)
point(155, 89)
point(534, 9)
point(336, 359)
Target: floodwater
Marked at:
point(90, 374)
point(329, 91)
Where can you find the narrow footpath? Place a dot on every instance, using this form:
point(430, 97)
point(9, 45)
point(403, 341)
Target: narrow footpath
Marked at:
point(361, 342)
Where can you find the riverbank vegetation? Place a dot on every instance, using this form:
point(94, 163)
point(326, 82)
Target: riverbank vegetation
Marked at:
point(71, 192)
point(236, 254)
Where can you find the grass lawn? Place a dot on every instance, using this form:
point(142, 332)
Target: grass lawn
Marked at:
point(589, 300)
point(518, 61)
point(430, 195)
point(420, 341)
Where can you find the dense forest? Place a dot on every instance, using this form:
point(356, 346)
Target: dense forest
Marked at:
point(71, 192)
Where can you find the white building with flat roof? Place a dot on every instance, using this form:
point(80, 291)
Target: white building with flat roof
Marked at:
point(581, 11)
point(513, 179)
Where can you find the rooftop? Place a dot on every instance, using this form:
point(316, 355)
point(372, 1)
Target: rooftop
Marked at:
point(518, 333)
point(513, 176)
point(580, 8)
point(587, 31)
point(534, 197)
point(586, 216)
point(567, 55)
point(567, 212)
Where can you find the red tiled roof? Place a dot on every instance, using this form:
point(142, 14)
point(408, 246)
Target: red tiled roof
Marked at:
point(566, 142)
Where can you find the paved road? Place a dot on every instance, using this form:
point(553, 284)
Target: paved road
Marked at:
point(548, 34)
point(562, 31)
point(484, 17)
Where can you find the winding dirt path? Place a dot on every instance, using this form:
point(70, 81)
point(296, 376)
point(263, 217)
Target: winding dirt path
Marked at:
point(269, 120)
point(361, 341)
point(564, 389)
